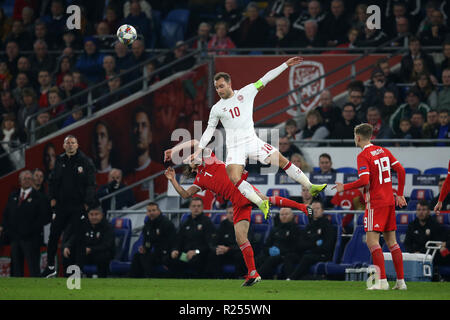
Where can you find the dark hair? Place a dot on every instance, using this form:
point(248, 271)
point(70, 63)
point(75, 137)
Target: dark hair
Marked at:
point(223, 75)
point(196, 199)
point(349, 104)
point(318, 201)
point(325, 155)
point(153, 204)
point(424, 203)
point(291, 122)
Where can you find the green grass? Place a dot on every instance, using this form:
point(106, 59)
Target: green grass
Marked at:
point(176, 289)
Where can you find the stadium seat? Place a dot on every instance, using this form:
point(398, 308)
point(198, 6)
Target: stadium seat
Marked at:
point(360, 220)
point(302, 220)
point(217, 218)
point(402, 220)
point(436, 170)
point(171, 32)
point(347, 170)
point(279, 192)
point(422, 194)
point(412, 170)
point(412, 205)
point(444, 220)
point(260, 229)
point(179, 15)
point(122, 234)
point(184, 217)
point(335, 218)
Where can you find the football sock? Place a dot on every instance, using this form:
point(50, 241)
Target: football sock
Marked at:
point(378, 259)
point(284, 202)
point(247, 253)
point(397, 259)
point(296, 174)
point(247, 191)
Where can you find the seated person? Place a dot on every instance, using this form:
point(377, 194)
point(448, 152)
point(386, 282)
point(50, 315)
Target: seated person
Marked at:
point(124, 199)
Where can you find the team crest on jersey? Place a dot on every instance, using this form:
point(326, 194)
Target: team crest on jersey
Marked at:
point(240, 98)
point(199, 227)
point(80, 169)
point(300, 75)
point(224, 109)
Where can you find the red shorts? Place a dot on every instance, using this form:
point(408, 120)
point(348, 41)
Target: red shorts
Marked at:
point(380, 219)
point(242, 207)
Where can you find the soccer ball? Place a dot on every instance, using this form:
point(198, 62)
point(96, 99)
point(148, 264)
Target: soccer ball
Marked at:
point(126, 34)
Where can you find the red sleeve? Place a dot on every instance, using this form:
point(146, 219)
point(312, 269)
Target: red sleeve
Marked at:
point(363, 172)
point(446, 186)
point(395, 164)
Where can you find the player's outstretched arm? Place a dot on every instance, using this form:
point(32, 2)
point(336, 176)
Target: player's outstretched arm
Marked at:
point(188, 144)
point(170, 175)
point(361, 182)
point(272, 74)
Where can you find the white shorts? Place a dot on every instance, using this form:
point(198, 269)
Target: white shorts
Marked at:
point(255, 149)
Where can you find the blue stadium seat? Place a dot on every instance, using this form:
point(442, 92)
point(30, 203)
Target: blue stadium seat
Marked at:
point(335, 218)
point(261, 229)
point(444, 220)
point(217, 218)
point(436, 170)
point(279, 192)
point(302, 220)
point(347, 170)
point(122, 234)
point(180, 16)
point(171, 32)
point(412, 205)
point(412, 170)
point(184, 217)
point(8, 7)
point(402, 220)
point(422, 194)
point(360, 220)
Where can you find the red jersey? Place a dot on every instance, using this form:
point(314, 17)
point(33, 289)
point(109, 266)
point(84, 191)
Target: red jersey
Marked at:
point(446, 186)
point(376, 162)
point(212, 175)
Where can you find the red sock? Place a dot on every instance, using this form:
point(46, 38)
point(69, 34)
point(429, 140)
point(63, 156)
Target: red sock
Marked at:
point(284, 202)
point(378, 259)
point(247, 252)
point(397, 259)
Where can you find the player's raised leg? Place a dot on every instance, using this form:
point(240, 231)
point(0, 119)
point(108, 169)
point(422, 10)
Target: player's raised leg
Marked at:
point(276, 158)
point(234, 172)
point(397, 259)
point(373, 242)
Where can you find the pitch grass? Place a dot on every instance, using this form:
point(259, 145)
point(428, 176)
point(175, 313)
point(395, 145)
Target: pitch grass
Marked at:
point(202, 289)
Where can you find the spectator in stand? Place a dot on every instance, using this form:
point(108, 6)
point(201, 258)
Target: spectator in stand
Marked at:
point(109, 66)
point(220, 40)
point(290, 11)
point(355, 96)
point(113, 88)
point(138, 55)
point(179, 52)
point(417, 122)
point(314, 245)
point(23, 221)
point(38, 183)
point(78, 80)
point(396, 11)
point(43, 130)
point(379, 85)
point(291, 129)
point(287, 149)
point(12, 55)
point(273, 11)
point(64, 66)
point(352, 37)
point(5, 25)
point(446, 52)
point(314, 12)
point(428, 90)
point(405, 110)
point(389, 105)
point(5, 75)
point(75, 115)
point(54, 100)
point(415, 52)
point(56, 20)
point(40, 32)
point(71, 39)
point(402, 33)
point(68, 90)
point(444, 94)
point(22, 82)
point(141, 22)
point(425, 23)
point(20, 36)
point(123, 57)
point(103, 33)
point(314, 128)
point(431, 127)
point(371, 38)
point(445, 202)
point(424, 228)
point(145, 7)
point(11, 137)
point(444, 132)
point(29, 108)
point(404, 132)
point(123, 200)
point(336, 24)
point(158, 236)
point(418, 68)
point(306, 197)
point(91, 243)
point(151, 67)
point(311, 37)
point(437, 31)
point(383, 64)
point(9, 105)
point(45, 84)
point(253, 30)
point(193, 243)
point(330, 113)
point(232, 15)
point(90, 62)
point(325, 164)
point(23, 65)
point(299, 161)
point(280, 246)
point(111, 18)
point(344, 128)
point(360, 17)
point(204, 34)
point(284, 36)
point(381, 130)
point(226, 251)
point(40, 58)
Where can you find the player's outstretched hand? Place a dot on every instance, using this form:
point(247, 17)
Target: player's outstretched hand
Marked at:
point(293, 61)
point(167, 155)
point(339, 187)
point(400, 201)
point(438, 207)
point(169, 173)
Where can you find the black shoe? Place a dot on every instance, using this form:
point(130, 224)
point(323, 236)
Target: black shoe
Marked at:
point(309, 211)
point(47, 273)
point(251, 280)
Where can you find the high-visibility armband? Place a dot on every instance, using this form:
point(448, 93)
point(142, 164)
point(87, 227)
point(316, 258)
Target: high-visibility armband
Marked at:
point(259, 85)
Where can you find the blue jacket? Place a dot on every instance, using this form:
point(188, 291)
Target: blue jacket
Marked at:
point(91, 66)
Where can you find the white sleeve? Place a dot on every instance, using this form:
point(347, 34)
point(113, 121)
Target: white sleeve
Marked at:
point(272, 74)
point(207, 135)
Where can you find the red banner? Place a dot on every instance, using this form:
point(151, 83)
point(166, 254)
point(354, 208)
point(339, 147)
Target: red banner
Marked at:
point(245, 70)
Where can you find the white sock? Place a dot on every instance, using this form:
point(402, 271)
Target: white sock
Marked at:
point(296, 174)
point(247, 191)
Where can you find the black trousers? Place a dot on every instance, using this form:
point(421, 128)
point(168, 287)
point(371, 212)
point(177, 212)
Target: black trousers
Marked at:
point(214, 268)
point(306, 261)
point(22, 250)
point(267, 265)
point(194, 268)
point(68, 219)
point(143, 263)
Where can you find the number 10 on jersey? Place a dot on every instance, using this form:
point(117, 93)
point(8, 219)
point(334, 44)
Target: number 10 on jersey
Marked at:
point(235, 112)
